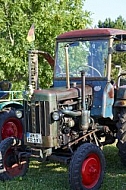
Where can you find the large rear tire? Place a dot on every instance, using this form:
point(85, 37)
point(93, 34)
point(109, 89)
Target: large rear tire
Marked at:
point(10, 125)
point(10, 164)
point(121, 135)
point(87, 168)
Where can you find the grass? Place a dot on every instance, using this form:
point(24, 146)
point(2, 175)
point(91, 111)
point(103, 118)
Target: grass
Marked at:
point(54, 176)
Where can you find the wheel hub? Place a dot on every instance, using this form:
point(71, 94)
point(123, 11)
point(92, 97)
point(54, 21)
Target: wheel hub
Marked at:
point(90, 171)
point(12, 128)
point(10, 160)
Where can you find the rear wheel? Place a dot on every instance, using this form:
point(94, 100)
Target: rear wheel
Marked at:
point(121, 135)
point(10, 164)
point(10, 125)
point(87, 168)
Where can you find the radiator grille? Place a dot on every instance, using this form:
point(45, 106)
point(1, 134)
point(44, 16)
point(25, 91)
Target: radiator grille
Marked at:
point(36, 116)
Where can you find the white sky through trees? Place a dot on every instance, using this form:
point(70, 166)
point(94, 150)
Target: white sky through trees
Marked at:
point(102, 9)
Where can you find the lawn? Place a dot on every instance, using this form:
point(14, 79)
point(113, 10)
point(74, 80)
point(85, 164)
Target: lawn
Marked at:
point(54, 176)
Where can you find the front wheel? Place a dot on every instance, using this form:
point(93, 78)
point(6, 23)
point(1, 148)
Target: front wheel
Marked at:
point(10, 125)
point(10, 164)
point(87, 168)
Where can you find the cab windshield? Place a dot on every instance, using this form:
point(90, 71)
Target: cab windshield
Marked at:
point(90, 56)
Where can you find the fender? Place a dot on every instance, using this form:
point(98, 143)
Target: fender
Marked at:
point(11, 104)
point(117, 107)
point(120, 103)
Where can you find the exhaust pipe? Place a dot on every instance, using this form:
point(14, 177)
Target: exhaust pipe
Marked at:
point(85, 117)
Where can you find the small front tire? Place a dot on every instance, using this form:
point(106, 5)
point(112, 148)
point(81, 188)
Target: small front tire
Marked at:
point(10, 164)
point(87, 168)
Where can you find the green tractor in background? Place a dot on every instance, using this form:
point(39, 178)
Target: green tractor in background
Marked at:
point(10, 103)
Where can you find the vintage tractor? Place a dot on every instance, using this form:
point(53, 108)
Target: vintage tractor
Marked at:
point(81, 113)
point(10, 103)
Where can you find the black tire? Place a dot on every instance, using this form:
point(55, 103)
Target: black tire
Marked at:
point(10, 125)
point(121, 135)
point(87, 168)
point(10, 165)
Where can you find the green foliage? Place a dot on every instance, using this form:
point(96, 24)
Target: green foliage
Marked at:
point(51, 17)
point(117, 59)
point(119, 23)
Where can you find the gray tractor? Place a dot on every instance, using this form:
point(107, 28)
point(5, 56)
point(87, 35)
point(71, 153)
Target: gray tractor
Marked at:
point(82, 112)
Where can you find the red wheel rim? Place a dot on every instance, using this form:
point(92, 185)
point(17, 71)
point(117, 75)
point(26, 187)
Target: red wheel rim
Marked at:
point(12, 128)
point(91, 169)
point(12, 166)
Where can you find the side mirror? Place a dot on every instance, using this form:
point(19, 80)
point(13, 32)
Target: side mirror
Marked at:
point(120, 47)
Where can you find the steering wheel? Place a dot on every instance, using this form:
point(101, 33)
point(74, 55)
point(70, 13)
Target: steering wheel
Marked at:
point(80, 68)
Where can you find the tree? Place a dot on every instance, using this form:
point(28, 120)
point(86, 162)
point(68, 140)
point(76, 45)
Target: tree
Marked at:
point(51, 17)
point(108, 23)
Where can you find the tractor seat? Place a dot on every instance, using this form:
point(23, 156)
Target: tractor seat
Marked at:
point(4, 86)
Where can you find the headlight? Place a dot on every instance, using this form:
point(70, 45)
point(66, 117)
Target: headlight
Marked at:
point(57, 115)
point(19, 113)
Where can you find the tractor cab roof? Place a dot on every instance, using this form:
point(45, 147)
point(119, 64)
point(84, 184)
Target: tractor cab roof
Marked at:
point(96, 32)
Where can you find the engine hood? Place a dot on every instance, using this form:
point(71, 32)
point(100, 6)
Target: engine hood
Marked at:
point(61, 93)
